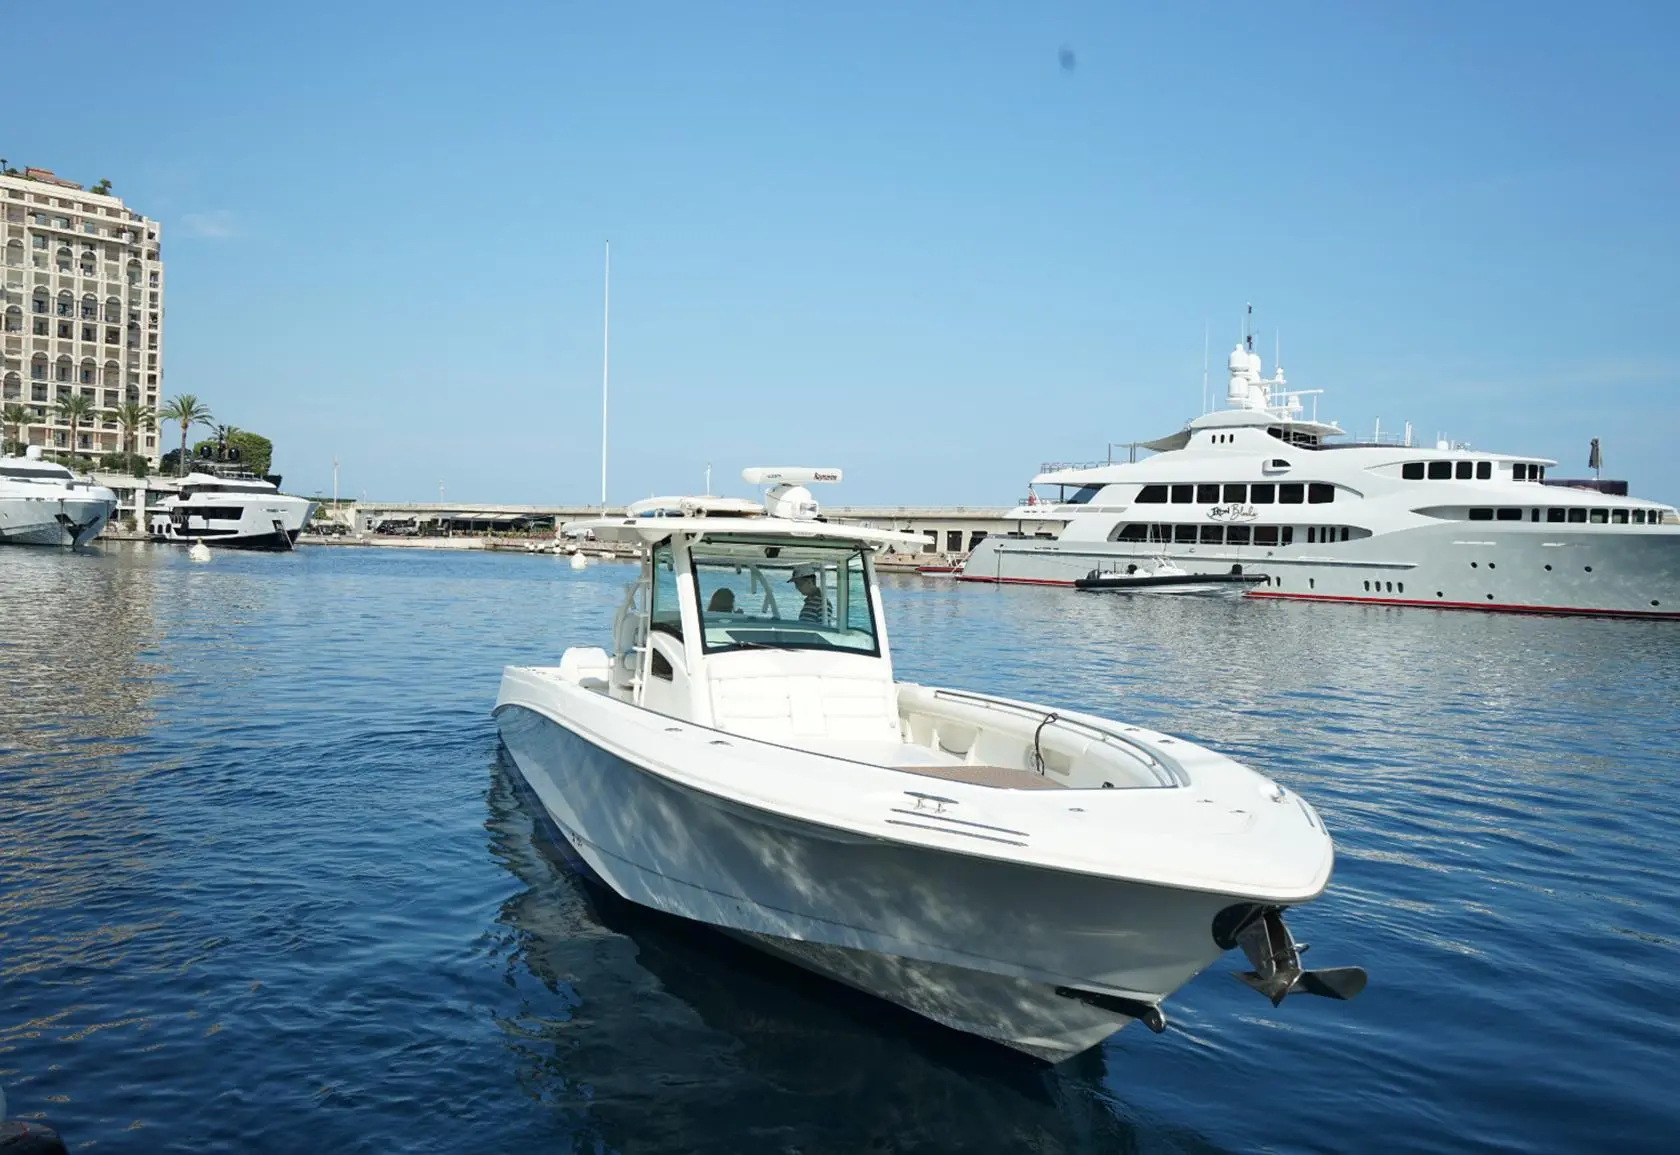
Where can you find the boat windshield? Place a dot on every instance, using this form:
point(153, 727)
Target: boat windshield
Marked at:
point(805, 595)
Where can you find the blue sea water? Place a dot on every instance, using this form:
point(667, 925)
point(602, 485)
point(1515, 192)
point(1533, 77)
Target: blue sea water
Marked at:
point(268, 884)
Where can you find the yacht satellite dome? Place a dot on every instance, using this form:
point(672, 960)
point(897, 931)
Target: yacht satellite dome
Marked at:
point(33, 453)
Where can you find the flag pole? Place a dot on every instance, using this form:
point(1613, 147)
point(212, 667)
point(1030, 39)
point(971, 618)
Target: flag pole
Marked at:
point(606, 308)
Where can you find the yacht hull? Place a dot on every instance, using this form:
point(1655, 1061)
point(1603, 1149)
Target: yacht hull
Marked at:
point(1525, 568)
point(1033, 958)
point(263, 523)
point(37, 521)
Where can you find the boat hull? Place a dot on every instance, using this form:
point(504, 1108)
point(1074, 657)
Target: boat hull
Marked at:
point(998, 949)
point(1517, 567)
point(31, 521)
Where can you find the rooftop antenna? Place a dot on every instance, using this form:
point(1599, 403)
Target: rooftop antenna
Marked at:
point(606, 316)
point(1248, 329)
point(1207, 332)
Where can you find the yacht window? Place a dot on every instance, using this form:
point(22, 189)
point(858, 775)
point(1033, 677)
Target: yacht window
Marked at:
point(1554, 515)
point(1276, 432)
point(1320, 493)
point(1182, 494)
point(1236, 535)
point(1262, 493)
point(1539, 472)
point(1618, 516)
point(1534, 515)
point(1312, 534)
point(1184, 534)
point(1484, 470)
point(1160, 534)
point(1153, 494)
point(1510, 515)
point(1236, 494)
point(1213, 535)
point(661, 666)
point(1132, 532)
point(1083, 494)
point(1481, 515)
point(1292, 493)
point(1265, 535)
point(665, 615)
point(1344, 533)
point(1599, 516)
point(1639, 517)
point(1440, 471)
point(1464, 469)
point(1286, 535)
point(1577, 514)
point(754, 594)
point(1207, 495)
point(1412, 471)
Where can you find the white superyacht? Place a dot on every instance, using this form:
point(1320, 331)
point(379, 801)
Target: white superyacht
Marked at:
point(231, 508)
point(43, 503)
point(1262, 486)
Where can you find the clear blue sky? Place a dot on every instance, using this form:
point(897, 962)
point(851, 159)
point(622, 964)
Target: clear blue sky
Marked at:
point(898, 238)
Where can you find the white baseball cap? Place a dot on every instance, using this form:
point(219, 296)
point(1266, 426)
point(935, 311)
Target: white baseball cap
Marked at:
point(803, 571)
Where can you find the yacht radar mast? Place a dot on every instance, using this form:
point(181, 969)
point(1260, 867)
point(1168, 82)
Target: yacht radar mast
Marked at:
point(787, 496)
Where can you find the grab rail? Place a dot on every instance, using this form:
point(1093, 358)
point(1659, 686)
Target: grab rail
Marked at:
point(1166, 771)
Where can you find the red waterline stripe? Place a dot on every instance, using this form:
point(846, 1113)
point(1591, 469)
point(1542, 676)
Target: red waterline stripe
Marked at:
point(1495, 607)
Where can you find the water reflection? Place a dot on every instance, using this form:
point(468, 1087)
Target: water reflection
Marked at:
point(735, 1050)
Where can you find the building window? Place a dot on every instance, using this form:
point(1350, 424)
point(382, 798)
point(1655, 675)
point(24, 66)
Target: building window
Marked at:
point(1207, 495)
point(975, 538)
point(43, 327)
point(932, 545)
point(1153, 495)
point(1440, 471)
point(1291, 493)
point(953, 540)
point(1262, 493)
point(1319, 493)
point(1236, 494)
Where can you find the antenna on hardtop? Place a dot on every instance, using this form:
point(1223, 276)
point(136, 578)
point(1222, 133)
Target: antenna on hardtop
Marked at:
point(787, 495)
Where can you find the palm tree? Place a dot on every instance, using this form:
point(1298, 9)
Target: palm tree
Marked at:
point(132, 417)
point(15, 417)
point(185, 409)
point(75, 409)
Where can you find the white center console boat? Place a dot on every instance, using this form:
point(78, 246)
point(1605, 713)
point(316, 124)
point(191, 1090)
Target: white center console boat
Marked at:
point(744, 758)
point(43, 503)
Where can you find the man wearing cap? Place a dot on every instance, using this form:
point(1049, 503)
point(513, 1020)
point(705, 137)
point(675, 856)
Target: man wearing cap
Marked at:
point(808, 581)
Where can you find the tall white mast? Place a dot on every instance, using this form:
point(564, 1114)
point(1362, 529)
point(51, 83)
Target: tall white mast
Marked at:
point(606, 311)
point(1207, 335)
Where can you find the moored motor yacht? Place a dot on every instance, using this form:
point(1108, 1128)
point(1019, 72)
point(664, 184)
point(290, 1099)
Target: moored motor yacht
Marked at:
point(1264, 483)
point(744, 757)
point(231, 508)
point(43, 503)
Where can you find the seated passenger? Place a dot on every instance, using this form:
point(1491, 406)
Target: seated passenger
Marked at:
point(723, 601)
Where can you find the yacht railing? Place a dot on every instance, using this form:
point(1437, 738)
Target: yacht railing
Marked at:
point(1166, 771)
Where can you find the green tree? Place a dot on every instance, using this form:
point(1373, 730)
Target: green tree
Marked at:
point(256, 452)
point(74, 410)
point(15, 417)
point(186, 410)
point(131, 417)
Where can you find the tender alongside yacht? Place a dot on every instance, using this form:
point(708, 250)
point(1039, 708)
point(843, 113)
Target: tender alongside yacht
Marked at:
point(1262, 485)
point(231, 509)
point(43, 503)
point(1163, 577)
point(743, 757)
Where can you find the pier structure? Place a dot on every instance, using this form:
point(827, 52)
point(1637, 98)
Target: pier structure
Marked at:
point(951, 531)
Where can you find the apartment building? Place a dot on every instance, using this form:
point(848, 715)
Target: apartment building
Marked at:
point(82, 310)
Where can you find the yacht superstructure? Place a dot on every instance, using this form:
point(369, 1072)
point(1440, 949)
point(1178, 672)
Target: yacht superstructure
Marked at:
point(43, 503)
point(1263, 485)
point(231, 509)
